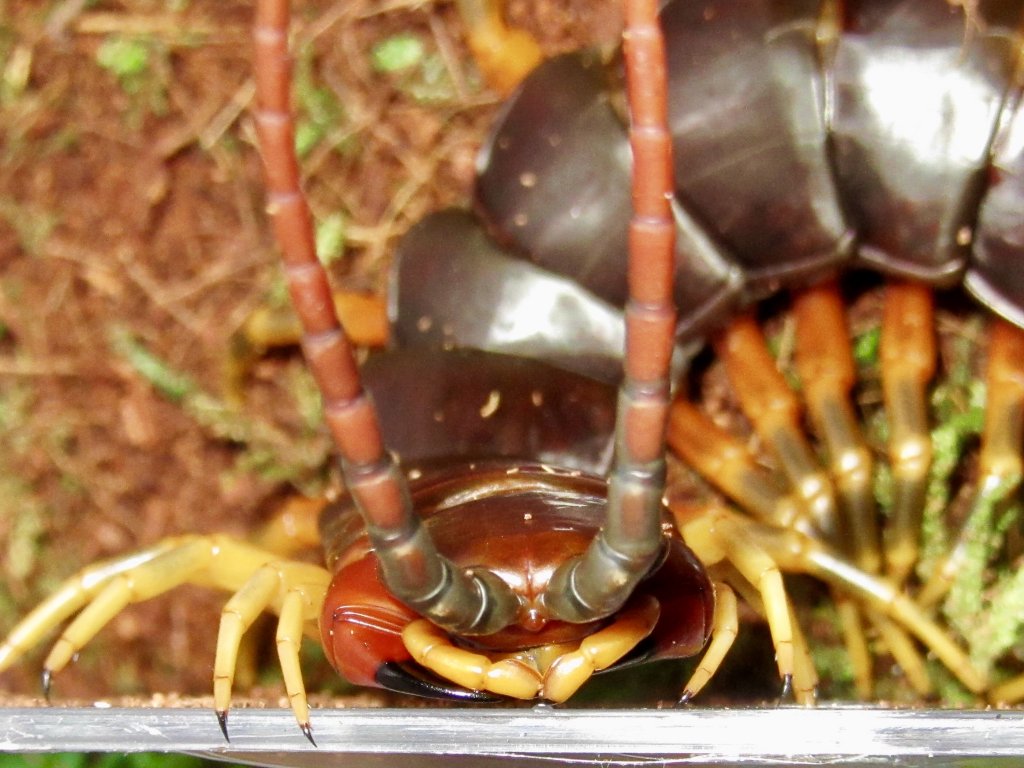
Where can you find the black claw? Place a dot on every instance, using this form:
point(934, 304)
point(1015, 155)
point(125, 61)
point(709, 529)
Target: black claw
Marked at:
point(684, 699)
point(786, 695)
point(307, 731)
point(407, 677)
point(45, 681)
point(222, 720)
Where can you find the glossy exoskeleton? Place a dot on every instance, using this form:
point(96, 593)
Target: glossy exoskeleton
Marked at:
point(809, 138)
point(807, 135)
point(496, 558)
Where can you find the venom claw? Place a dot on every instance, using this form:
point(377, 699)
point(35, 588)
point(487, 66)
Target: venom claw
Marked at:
point(307, 731)
point(45, 681)
point(222, 720)
point(412, 679)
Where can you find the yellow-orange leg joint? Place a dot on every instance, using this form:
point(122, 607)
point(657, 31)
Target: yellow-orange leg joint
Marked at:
point(774, 410)
point(363, 316)
point(824, 360)
point(504, 55)
point(724, 461)
point(724, 628)
point(908, 364)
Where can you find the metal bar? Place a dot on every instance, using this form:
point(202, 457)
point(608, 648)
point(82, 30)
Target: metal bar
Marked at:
point(543, 735)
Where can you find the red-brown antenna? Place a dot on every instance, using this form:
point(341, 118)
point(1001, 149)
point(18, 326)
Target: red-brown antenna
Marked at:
point(458, 600)
point(599, 582)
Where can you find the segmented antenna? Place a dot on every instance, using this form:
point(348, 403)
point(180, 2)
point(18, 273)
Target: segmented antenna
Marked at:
point(599, 582)
point(461, 601)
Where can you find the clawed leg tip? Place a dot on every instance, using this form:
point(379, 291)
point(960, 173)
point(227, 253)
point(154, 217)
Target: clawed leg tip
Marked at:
point(307, 731)
point(684, 699)
point(786, 694)
point(45, 681)
point(222, 721)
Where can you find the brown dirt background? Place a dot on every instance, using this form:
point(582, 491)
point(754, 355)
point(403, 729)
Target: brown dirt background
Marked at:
point(137, 210)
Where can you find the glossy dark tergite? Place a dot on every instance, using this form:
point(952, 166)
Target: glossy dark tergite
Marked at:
point(807, 134)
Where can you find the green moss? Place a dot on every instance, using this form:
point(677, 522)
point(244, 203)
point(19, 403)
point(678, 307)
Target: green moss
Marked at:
point(141, 65)
point(320, 112)
point(398, 53)
point(172, 384)
point(866, 348)
point(417, 71)
point(330, 238)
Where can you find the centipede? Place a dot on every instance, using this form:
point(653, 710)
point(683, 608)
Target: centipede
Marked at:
point(507, 529)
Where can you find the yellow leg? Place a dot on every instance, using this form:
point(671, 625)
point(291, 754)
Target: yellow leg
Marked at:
point(904, 652)
point(1009, 692)
point(726, 462)
point(293, 527)
point(850, 621)
point(805, 676)
point(69, 598)
point(824, 359)
point(363, 316)
point(999, 460)
point(296, 610)
point(773, 409)
point(258, 578)
point(899, 643)
point(505, 56)
point(801, 554)
point(715, 534)
point(724, 627)
point(600, 650)
point(236, 617)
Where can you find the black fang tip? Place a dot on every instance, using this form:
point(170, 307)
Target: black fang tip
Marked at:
point(222, 721)
point(45, 681)
point(402, 677)
point(685, 698)
point(786, 696)
point(307, 731)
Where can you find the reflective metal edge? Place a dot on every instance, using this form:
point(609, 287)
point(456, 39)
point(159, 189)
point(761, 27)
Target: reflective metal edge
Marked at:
point(541, 736)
